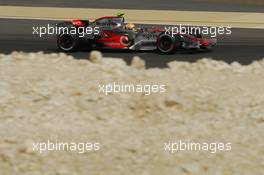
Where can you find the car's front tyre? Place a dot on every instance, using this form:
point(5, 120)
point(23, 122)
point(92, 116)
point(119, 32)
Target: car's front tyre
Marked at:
point(167, 44)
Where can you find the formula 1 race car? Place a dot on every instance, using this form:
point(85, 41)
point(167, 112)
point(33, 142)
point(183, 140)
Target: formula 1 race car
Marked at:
point(111, 32)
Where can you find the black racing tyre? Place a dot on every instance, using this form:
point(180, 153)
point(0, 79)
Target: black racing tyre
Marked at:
point(68, 42)
point(166, 44)
point(205, 49)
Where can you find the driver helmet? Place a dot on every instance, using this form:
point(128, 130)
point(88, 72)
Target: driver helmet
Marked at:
point(130, 26)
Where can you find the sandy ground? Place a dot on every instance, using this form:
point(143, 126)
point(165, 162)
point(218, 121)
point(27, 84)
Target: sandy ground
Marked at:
point(245, 2)
point(166, 17)
point(56, 97)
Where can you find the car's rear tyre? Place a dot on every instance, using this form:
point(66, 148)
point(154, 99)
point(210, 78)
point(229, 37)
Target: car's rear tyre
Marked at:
point(167, 44)
point(205, 49)
point(67, 42)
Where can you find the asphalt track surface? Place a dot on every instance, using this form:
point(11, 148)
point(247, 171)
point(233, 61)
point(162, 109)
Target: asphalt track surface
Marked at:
point(243, 45)
point(189, 5)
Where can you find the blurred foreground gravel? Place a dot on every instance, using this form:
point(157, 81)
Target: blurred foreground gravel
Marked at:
point(55, 97)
